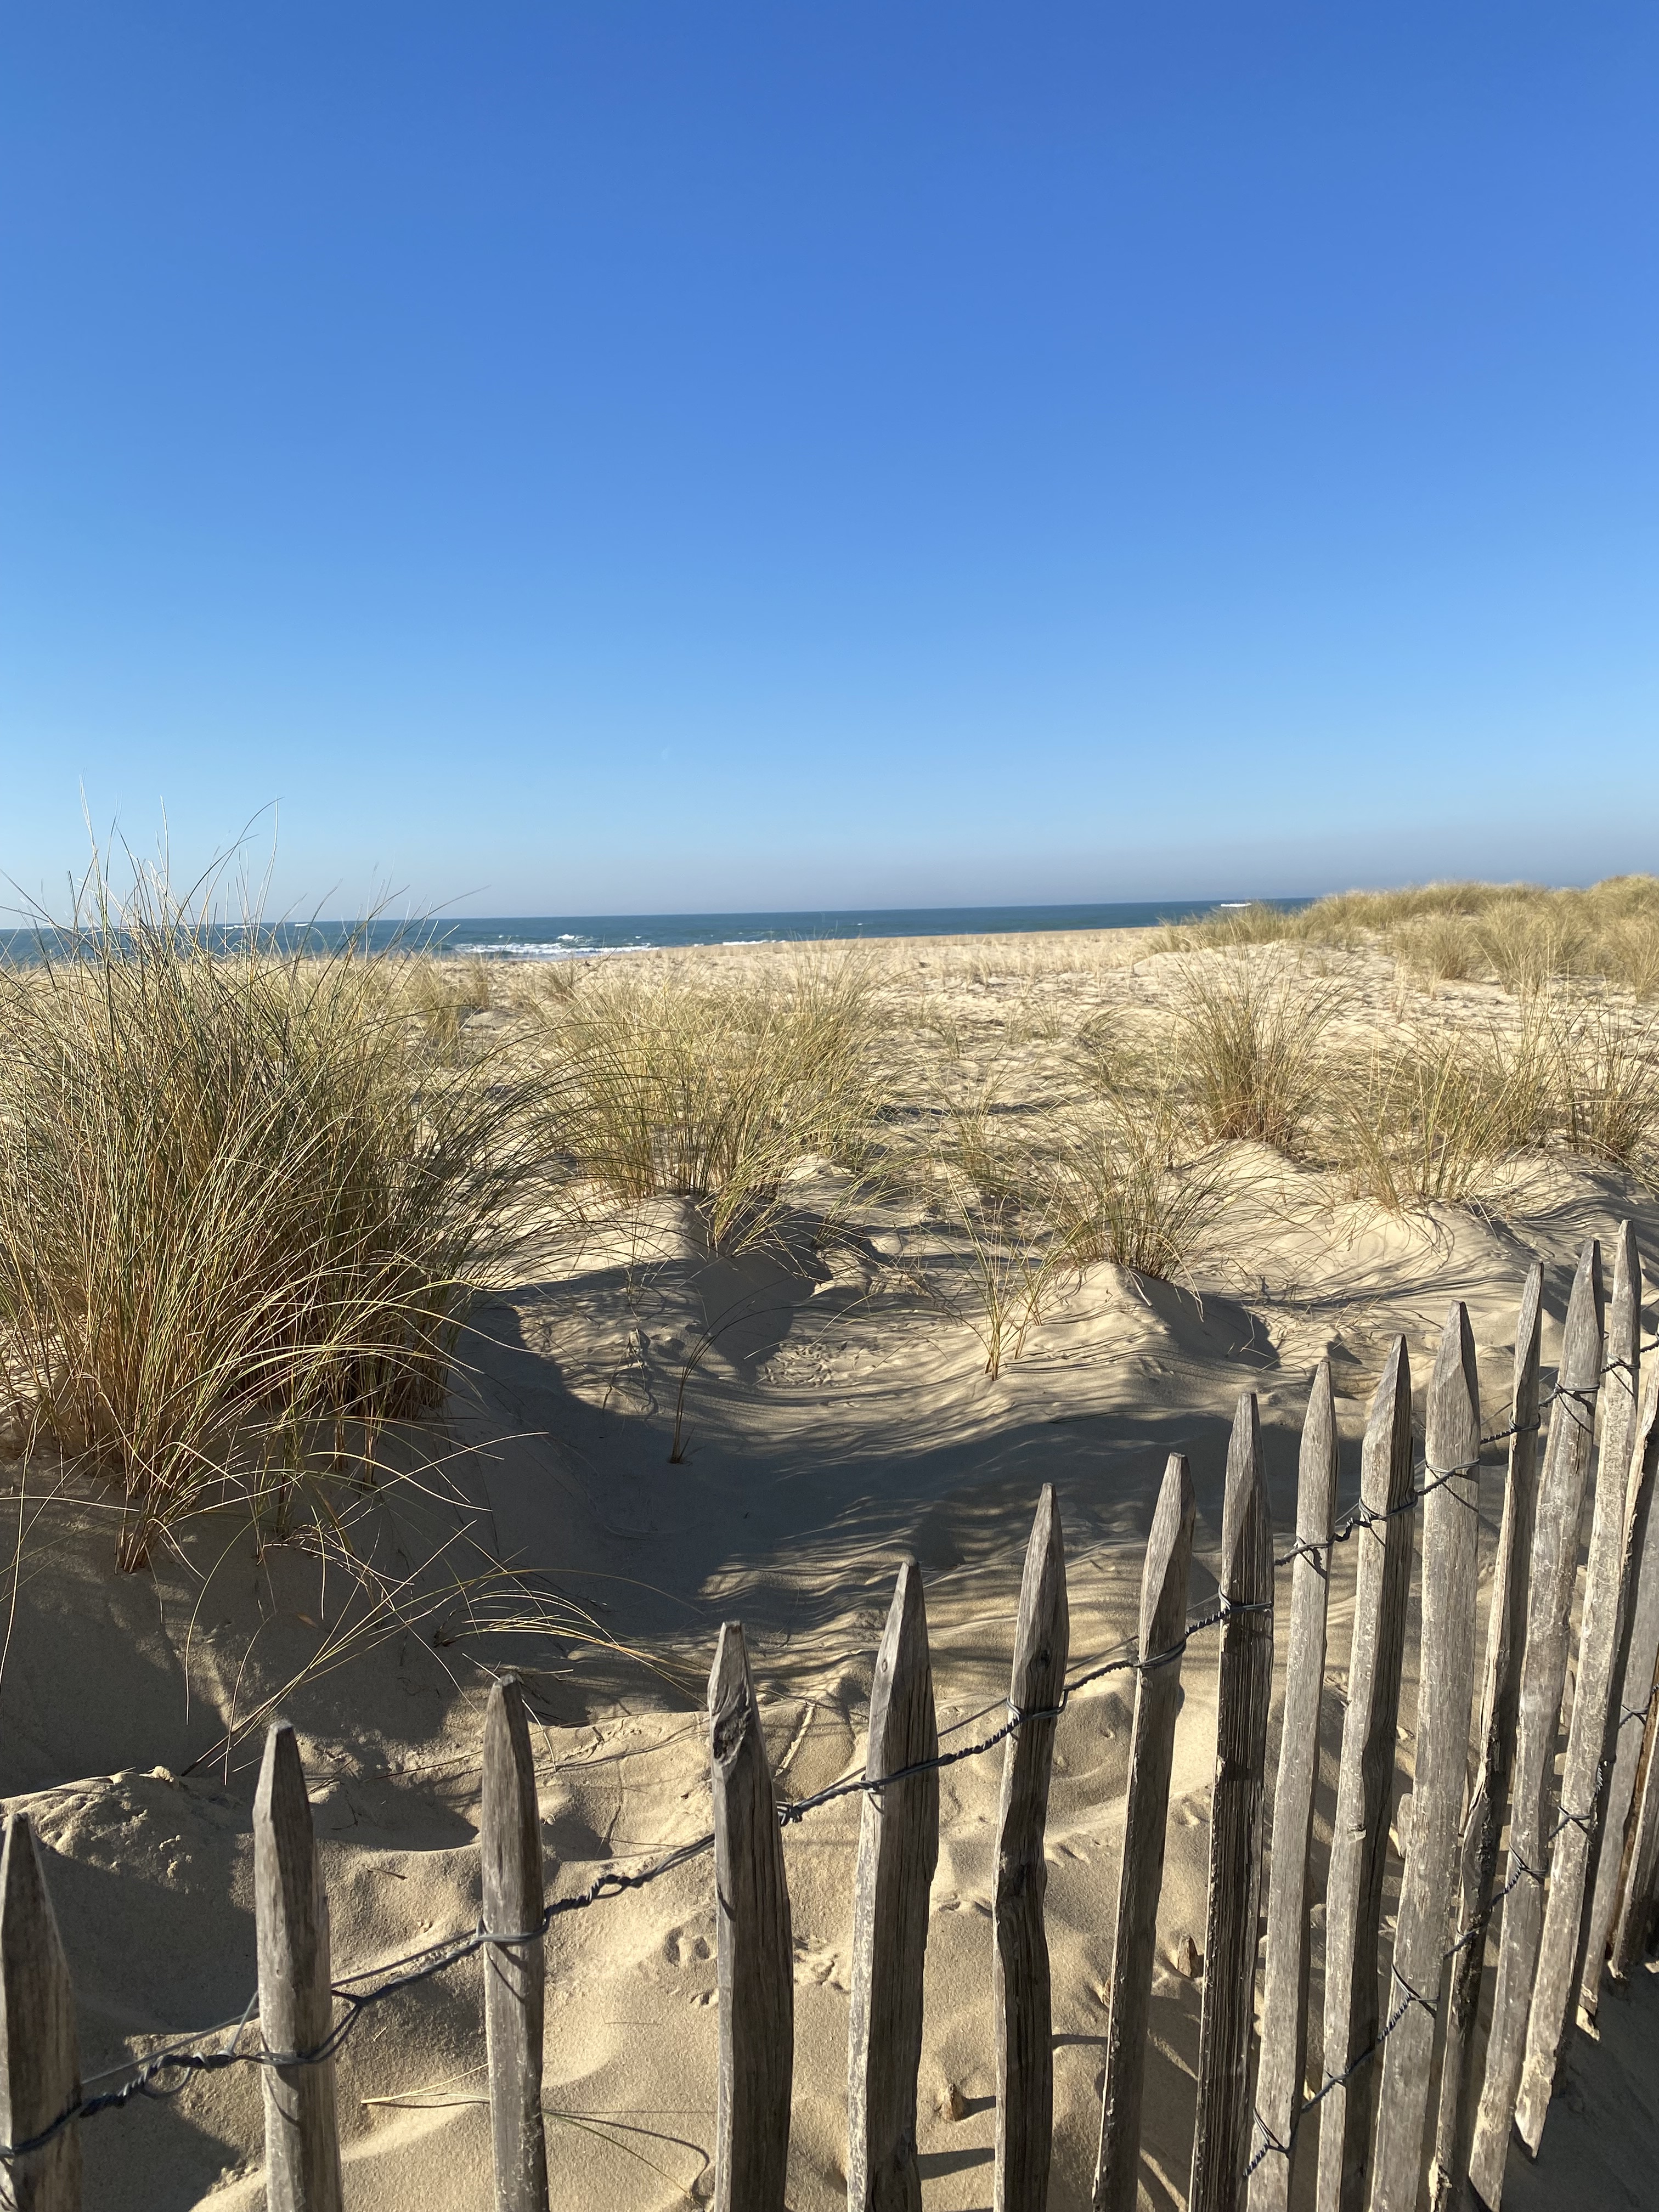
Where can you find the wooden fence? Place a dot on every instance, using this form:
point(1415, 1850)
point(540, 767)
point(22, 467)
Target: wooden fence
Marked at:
point(1391, 2104)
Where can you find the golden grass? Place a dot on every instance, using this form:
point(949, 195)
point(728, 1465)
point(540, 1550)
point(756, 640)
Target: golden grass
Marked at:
point(1520, 935)
point(1418, 1122)
point(712, 1094)
point(1008, 1265)
point(1247, 1042)
point(532, 983)
point(238, 1210)
point(1117, 1183)
point(441, 995)
point(1126, 1187)
point(1231, 927)
point(1437, 948)
point(1438, 1116)
point(1606, 1090)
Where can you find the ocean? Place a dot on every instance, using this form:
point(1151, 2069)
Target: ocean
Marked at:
point(576, 936)
point(560, 937)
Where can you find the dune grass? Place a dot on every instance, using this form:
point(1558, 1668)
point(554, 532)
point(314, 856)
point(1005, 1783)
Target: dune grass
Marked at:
point(1260, 922)
point(1009, 1259)
point(1126, 1181)
point(1606, 1095)
point(713, 1094)
point(1520, 935)
point(1438, 1116)
point(1254, 1044)
point(1129, 1186)
point(1437, 948)
point(441, 995)
point(241, 1213)
point(1247, 1047)
point(244, 1199)
point(1418, 1122)
point(530, 984)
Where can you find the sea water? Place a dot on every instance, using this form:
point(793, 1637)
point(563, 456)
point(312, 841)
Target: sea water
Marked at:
point(578, 936)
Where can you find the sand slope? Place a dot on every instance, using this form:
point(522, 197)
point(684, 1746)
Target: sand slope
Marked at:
point(830, 1423)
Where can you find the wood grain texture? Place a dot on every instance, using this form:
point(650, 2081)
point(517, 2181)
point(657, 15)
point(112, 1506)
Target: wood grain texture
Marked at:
point(1594, 1717)
point(1636, 1672)
point(1543, 1676)
point(290, 1909)
point(1364, 1788)
point(39, 2065)
point(1445, 1678)
point(1024, 2020)
point(1494, 1751)
point(1636, 1901)
point(1284, 2058)
point(1637, 1850)
point(1244, 1693)
point(1141, 1875)
point(898, 1850)
point(754, 1955)
point(510, 1856)
point(1642, 1459)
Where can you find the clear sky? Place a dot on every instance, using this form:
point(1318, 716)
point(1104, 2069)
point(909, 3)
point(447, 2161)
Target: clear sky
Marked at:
point(665, 454)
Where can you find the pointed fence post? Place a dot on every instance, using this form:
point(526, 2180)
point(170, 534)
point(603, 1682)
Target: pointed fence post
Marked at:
point(1639, 1863)
point(510, 1855)
point(1445, 1678)
point(1543, 1676)
point(1483, 1822)
point(1244, 1693)
point(1637, 1850)
point(898, 1850)
point(1140, 1877)
point(1024, 2022)
point(1594, 1716)
point(1284, 2054)
point(40, 2069)
point(290, 1909)
point(1629, 1716)
point(1641, 1873)
point(754, 1958)
point(1359, 1836)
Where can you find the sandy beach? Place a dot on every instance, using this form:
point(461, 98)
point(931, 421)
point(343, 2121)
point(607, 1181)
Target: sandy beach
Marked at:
point(665, 1436)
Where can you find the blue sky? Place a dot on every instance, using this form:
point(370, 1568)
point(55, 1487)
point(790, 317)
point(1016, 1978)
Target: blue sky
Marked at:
point(655, 455)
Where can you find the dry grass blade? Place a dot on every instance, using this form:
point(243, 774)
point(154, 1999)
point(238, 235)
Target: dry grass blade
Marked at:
point(447, 1609)
point(1421, 1122)
point(1260, 922)
point(714, 1095)
point(1120, 1190)
point(1248, 1033)
point(989, 1192)
point(236, 1211)
point(1437, 948)
point(1113, 1185)
point(1434, 1116)
point(1608, 1086)
point(1521, 935)
point(441, 994)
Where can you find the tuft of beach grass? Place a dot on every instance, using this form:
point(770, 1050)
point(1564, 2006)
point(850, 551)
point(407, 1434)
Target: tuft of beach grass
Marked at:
point(242, 1211)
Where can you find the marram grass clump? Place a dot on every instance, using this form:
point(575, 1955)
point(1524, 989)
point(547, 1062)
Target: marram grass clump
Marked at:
point(712, 1094)
point(1521, 936)
point(1248, 1037)
point(241, 1211)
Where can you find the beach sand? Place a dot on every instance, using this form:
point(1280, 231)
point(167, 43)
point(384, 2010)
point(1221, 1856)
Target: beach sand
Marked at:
point(836, 1422)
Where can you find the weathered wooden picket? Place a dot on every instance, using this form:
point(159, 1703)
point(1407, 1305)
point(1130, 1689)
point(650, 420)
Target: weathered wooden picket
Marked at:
point(1393, 2103)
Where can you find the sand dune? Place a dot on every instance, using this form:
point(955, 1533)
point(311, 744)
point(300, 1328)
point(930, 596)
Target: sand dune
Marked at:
point(834, 1423)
